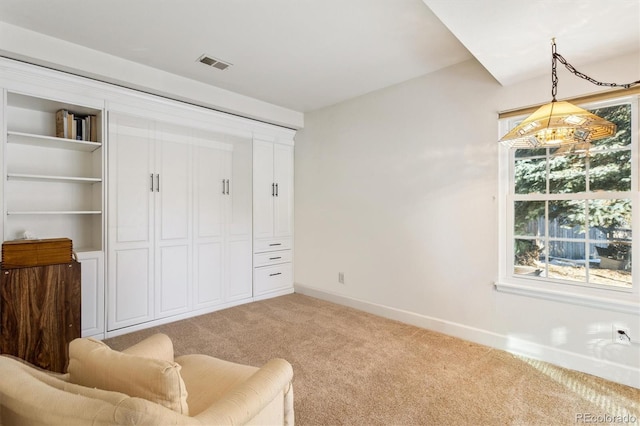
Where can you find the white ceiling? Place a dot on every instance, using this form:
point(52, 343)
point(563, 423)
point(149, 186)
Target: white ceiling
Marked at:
point(512, 38)
point(307, 54)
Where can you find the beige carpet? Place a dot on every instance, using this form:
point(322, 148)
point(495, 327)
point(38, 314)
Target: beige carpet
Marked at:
point(353, 368)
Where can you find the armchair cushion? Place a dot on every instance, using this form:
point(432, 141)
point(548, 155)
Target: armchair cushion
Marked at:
point(220, 392)
point(93, 364)
point(157, 346)
point(209, 378)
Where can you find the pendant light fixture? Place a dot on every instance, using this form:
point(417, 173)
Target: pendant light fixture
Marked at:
point(561, 123)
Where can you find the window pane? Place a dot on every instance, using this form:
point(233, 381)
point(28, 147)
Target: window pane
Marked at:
point(527, 258)
point(610, 227)
point(567, 219)
point(610, 171)
point(610, 219)
point(531, 176)
point(567, 174)
point(523, 152)
point(567, 261)
point(529, 218)
point(620, 115)
point(612, 265)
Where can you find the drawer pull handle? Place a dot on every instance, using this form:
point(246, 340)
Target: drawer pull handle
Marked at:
point(275, 244)
point(277, 273)
point(275, 258)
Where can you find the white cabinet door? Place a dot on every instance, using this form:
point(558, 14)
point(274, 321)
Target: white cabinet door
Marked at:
point(239, 273)
point(263, 189)
point(209, 190)
point(239, 280)
point(239, 219)
point(92, 270)
point(131, 287)
point(172, 223)
point(130, 224)
point(273, 190)
point(149, 222)
point(283, 178)
point(222, 214)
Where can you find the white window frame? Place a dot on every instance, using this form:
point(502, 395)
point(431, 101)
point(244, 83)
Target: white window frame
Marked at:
point(609, 298)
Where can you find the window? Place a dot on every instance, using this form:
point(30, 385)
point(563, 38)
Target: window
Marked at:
point(569, 211)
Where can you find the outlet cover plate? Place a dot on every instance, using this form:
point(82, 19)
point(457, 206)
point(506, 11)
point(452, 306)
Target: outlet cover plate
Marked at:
point(620, 335)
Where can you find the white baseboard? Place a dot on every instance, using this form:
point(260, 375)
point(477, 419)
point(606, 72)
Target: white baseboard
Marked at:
point(615, 372)
point(166, 320)
point(273, 294)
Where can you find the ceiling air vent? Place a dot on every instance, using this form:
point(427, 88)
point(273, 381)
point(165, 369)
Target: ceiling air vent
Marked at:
point(213, 62)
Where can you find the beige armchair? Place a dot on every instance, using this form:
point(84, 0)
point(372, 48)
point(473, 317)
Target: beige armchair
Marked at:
point(144, 385)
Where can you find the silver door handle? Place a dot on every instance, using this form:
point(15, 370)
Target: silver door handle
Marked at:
point(158, 182)
point(227, 186)
point(277, 273)
point(273, 189)
point(276, 189)
point(222, 186)
point(151, 176)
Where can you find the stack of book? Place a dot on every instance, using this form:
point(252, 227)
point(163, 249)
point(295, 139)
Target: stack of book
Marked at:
point(81, 127)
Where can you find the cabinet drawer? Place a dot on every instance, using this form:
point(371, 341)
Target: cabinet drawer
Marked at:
point(272, 258)
point(272, 244)
point(272, 278)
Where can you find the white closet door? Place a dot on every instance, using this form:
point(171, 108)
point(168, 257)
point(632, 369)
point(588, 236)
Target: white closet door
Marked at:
point(239, 269)
point(130, 224)
point(210, 188)
point(173, 223)
point(263, 189)
point(239, 253)
point(239, 210)
point(283, 176)
point(92, 320)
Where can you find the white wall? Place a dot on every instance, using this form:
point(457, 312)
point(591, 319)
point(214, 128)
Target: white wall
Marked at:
point(398, 189)
point(620, 70)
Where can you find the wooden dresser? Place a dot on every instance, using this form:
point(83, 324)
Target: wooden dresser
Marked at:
point(40, 312)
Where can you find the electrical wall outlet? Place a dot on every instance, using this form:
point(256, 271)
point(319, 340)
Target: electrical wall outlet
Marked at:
point(341, 277)
point(621, 335)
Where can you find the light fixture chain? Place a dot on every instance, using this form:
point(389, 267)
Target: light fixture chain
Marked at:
point(554, 75)
point(574, 71)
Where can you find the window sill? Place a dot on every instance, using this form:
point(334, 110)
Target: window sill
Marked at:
point(609, 304)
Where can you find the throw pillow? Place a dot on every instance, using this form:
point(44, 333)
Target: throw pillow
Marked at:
point(94, 364)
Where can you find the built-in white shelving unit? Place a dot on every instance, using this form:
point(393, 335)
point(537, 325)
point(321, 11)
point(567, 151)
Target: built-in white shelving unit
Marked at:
point(53, 185)
point(158, 196)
